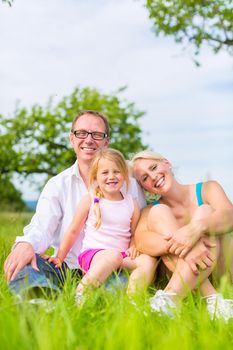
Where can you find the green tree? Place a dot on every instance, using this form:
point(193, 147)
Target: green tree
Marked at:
point(35, 141)
point(10, 197)
point(9, 2)
point(195, 22)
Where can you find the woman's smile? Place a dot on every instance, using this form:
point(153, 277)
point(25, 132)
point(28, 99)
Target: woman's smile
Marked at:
point(160, 182)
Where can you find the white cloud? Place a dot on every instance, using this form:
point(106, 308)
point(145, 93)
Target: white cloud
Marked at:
point(49, 47)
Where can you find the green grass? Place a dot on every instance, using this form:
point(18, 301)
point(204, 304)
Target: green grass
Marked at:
point(106, 321)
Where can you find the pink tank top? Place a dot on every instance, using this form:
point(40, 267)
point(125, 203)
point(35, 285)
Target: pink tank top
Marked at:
point(114, 232)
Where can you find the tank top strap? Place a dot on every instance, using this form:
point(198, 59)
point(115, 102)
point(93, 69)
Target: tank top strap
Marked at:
point(198, 193)
point(155, 202)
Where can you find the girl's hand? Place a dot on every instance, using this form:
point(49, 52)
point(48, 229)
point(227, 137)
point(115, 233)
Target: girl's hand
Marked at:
point(45, 257)
point(132, 252)
point(54, 260)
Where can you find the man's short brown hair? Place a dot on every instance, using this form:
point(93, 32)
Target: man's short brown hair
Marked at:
point(95, 114)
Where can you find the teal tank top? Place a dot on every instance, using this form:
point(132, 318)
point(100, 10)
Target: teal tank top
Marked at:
point(198, 195)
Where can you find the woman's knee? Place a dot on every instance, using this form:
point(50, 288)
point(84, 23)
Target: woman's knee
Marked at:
point(160, 209)
point(203, 211)
point(157, 214)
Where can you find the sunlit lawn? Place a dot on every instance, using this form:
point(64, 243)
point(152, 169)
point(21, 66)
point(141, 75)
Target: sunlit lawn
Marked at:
point(106, 321)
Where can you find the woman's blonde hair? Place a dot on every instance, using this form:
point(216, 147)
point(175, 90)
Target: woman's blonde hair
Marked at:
point(114, 156)
point(146, 154)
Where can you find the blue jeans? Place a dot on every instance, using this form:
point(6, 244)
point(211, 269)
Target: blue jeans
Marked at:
point(51, 279)
point(48, 278)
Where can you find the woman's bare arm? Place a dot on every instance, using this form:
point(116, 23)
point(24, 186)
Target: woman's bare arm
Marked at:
point(220, 221)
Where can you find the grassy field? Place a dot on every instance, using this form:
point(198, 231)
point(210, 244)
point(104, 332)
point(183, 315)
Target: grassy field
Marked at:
point(106, 321)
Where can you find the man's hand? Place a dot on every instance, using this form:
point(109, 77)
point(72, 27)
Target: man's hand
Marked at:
point(201, 255)
point(132, 252)
point(182, 240)
point(22, 255)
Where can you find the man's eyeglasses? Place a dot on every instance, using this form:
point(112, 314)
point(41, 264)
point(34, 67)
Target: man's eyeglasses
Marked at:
point(83, 134)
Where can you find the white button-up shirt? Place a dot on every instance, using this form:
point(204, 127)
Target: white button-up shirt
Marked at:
point(55, 210)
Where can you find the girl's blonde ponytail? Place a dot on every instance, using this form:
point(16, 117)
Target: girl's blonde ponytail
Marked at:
point(96, 207)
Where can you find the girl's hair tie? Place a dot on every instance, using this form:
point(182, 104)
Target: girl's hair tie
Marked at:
point(96, 200)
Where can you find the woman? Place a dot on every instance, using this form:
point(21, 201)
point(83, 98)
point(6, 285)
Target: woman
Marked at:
point(182, 227)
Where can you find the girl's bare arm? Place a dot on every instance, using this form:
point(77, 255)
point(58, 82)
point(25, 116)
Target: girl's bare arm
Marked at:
point(75, 227)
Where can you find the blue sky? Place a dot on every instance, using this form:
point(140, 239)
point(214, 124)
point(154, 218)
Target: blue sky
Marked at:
point(50, 47)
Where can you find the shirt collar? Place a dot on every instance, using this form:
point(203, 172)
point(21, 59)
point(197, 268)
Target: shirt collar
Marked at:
point(75, 170)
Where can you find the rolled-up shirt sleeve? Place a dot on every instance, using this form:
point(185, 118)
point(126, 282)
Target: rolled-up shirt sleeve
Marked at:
point(137, 192)
point(42, 228)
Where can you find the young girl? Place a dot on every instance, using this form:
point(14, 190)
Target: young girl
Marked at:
point(180, 227)
point(110, 219)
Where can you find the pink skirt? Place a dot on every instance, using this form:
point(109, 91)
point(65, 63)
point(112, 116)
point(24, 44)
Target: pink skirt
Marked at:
point(85, 258)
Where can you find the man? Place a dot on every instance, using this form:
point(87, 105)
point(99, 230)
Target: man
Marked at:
point(24, 268)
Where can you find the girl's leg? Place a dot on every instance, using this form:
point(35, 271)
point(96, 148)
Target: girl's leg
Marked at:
point(102, 265)
point(143, 272)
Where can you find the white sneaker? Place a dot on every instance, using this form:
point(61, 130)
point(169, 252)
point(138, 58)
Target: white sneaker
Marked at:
point(79, 298)
point(162, 303)
point(219, 308)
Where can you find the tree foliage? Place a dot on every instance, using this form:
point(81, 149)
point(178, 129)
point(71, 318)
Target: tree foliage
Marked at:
point(35, 140)
point(9, 2)
point(10, 197)
point(195, 22)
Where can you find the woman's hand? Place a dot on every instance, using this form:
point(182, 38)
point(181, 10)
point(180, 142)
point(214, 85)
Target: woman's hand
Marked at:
point(201, 256)
point(132, 252)
point(183, 239)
